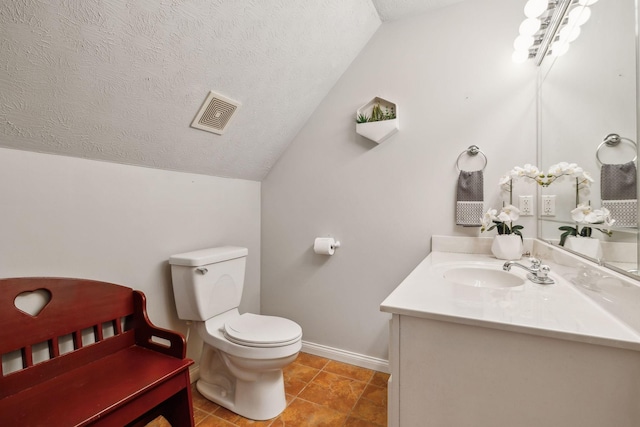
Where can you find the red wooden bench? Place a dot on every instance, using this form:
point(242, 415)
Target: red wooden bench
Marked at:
point(90, 356)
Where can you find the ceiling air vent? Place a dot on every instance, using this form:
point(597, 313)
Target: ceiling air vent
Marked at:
point(215, 114)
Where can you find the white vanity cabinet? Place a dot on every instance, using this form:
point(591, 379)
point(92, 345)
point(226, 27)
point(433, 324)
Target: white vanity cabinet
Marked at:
point(527, 356)
point(451, 374)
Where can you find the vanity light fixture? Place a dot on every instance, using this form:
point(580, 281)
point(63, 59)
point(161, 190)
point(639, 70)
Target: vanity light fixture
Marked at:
point(535, 8)
point(549, 27)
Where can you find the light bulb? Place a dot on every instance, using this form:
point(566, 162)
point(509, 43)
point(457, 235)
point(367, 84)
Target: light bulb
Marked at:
point(587, 2)
point(559, 48)
point(519, 56)
point(535, 8)
point(569, 33)
point(579, 16)
point(523, 43)
point(529, 26)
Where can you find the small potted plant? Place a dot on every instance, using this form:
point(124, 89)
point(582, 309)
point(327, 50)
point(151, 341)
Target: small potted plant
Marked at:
point(508, 243)
point(578, 239)
point(377, 120)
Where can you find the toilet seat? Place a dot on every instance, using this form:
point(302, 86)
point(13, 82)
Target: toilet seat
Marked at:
point(255, 330)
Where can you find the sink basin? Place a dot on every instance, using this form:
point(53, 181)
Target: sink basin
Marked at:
point(480, 277)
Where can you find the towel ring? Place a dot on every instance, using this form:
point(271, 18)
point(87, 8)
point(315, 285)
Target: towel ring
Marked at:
point(612, 140)
point(473, 150)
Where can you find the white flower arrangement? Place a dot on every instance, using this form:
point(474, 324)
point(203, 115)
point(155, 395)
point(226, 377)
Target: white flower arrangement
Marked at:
point(503, 221)
point(557, 172)
point(527, 172)
point(562, 170)
point(583, 214)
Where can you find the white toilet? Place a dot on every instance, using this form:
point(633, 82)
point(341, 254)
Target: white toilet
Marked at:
point(243, 354)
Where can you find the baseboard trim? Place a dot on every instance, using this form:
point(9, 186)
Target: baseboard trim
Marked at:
point(194, 373)
point(346, 356)
point(337, 354)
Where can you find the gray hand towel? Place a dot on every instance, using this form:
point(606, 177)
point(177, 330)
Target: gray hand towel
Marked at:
point(618, 188)
point(470, 199)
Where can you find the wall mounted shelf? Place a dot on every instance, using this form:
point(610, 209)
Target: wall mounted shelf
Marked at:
point(378, 131)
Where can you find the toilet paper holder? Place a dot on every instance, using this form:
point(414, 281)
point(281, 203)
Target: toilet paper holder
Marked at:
point(325, 245)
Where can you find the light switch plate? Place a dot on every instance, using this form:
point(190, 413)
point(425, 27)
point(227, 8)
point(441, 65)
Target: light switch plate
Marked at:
point(526, 205)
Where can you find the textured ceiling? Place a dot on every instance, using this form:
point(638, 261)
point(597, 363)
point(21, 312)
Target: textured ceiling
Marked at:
point(121, 81)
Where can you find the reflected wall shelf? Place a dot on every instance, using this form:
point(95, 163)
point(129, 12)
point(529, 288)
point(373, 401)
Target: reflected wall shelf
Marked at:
point(378, 131)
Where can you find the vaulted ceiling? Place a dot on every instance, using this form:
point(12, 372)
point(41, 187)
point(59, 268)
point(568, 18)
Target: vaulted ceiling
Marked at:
point(121, 81)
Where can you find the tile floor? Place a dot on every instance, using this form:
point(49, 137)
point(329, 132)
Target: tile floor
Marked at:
point(320, 392)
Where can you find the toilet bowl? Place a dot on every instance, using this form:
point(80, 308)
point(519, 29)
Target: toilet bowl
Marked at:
point(245, 379)
point(243, 354)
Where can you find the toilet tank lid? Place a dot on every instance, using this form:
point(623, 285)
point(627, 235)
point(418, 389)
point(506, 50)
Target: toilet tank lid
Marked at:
point(208, 256)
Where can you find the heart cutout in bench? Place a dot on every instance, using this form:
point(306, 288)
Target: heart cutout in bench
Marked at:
point(32, 302)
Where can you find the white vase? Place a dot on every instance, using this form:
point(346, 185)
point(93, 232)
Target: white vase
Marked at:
point(584, 245)
point(507, 247)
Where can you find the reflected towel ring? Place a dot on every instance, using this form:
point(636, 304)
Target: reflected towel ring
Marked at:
point(612, 140)
point(473, 150)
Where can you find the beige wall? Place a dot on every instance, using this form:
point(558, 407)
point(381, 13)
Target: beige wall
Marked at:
point(451, 74)
point(70, 217)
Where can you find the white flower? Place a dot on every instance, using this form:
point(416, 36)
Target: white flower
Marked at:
point(503, 217)
point(487, 219)
point(558, 169)
point(504, 220)
point(509, 213)
point(504, 179)
point(505, 183)
point(573, 170)
point(584, 214)
point(564, 170)
point(584, 181)
point(600, 216)
point(516, 172)
point(593, 217)
point(528, 171)
point(580, 213)
point(531, 171)
point(606, 216)
point(587, 177)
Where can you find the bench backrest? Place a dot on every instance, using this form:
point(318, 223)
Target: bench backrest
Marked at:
point(82, 321)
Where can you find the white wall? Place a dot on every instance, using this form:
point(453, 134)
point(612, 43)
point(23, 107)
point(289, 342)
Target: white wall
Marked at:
point(451, 74)
point(71, 217)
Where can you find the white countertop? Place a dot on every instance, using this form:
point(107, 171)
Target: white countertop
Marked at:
point(559, 310)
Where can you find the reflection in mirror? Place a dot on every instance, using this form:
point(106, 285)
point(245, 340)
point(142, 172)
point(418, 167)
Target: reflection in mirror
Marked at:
point(584, 96)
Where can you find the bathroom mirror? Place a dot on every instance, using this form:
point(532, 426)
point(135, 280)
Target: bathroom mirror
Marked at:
point(583, 96)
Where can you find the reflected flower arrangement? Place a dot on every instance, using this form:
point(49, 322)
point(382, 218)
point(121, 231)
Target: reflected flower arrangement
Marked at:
point(583, 214)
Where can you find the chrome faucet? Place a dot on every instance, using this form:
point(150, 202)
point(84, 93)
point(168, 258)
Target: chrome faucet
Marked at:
point(538, 272)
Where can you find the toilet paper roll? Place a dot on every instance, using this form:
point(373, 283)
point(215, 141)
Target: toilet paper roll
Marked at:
point(324, 246)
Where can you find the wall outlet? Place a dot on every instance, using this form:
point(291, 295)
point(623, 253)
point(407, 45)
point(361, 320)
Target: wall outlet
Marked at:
point(548, 206)
point(526, 205)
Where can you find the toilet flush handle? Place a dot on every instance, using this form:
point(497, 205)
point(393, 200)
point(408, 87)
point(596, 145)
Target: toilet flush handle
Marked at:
point(202, 270)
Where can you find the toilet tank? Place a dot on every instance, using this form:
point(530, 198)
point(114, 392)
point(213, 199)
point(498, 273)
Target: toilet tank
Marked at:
point(208, 282)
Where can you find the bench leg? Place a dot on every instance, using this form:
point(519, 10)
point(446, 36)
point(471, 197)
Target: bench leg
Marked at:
point(178, 410)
